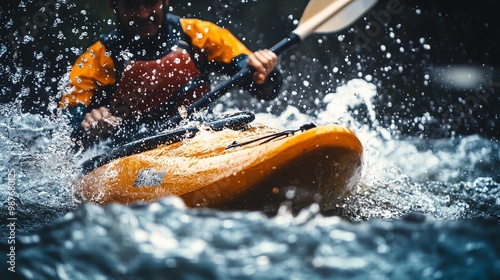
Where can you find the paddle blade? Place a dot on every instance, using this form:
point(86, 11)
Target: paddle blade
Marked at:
point(325, 16)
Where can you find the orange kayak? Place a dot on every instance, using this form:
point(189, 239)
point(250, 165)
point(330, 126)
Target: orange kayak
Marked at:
point(228, 169)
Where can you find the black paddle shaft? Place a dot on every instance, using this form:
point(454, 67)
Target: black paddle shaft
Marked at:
point(236, 80)
point(176, 134)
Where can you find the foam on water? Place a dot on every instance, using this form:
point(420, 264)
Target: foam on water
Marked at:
point(410, 201)
point(435, 177)
point(164, 239)
point(438, 177)
point(37, 150)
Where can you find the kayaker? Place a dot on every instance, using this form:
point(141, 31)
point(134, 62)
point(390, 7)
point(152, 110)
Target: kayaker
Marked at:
point(153, 63)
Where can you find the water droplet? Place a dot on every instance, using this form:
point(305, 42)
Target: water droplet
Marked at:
point(28, 39)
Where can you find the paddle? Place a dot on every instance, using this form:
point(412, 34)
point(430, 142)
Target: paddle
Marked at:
point(320, 16)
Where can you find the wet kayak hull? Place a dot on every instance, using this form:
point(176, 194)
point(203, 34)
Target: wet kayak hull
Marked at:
point(320, 165)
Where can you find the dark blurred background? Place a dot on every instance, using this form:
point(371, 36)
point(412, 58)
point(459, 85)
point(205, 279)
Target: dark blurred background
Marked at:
point(435, 63)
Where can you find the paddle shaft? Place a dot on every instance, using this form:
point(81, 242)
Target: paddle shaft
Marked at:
point(311, 22)
point(302, 31)
point(237, 79)
point(320, 16)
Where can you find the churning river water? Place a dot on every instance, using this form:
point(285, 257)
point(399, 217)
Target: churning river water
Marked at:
point(424, 209)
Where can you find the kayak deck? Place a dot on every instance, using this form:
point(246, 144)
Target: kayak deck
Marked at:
point(319, 165)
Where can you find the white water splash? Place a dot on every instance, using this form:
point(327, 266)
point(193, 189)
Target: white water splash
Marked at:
point(37, 150)
point(401, 175)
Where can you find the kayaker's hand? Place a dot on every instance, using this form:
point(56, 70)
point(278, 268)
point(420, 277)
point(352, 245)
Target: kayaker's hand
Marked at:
point(100, 121)
point(263, 62)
